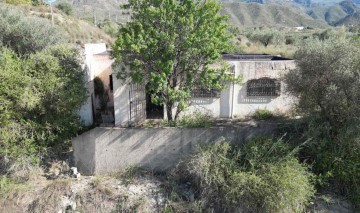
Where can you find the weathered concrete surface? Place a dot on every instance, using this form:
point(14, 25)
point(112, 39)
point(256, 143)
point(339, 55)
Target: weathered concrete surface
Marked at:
point(103, 150)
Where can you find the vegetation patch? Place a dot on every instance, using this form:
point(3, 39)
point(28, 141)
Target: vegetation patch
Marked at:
point(263, 114)
point(51, 196)
point(262, 176)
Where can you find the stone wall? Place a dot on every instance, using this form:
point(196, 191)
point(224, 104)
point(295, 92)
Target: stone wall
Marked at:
point(104, 150)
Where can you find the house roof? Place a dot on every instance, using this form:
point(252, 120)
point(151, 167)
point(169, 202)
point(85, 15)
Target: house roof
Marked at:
point(252, 57)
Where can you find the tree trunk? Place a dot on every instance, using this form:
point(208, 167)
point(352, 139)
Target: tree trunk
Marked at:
point(169, 113)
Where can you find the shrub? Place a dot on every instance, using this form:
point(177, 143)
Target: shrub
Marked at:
point(327, 80)
point(39, 100)
point(196, 120)
point(266, 37)
point(109, 27)
point(16, 2)
point(27, 35)
point(336, 159)
point(262, 176)
point(65, 7)
point(263, 114)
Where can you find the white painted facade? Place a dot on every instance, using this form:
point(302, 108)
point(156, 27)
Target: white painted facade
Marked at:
point(233, 101)
point(97, 63)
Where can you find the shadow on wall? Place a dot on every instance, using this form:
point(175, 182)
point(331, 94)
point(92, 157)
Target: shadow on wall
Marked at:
point(244, 99)
point(170, 153)
point(103, 150)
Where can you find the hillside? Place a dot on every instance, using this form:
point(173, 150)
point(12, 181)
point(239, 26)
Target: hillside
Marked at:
point(253, 14)
point(95, 10)
point(329, 14)
point(241, 14)
point(344, 13)
point(350, 20)
point(74, 29)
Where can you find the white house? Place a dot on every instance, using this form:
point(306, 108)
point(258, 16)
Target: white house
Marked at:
point(262, 89)
point(98, 64)
point(126, 103)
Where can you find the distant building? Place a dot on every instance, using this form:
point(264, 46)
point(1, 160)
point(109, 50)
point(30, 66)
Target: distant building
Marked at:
point(299, 28)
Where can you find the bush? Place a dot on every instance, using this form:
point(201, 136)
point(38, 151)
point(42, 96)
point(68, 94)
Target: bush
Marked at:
point(196, 120)
point(16, 2)
point(336, 159)
point(65, 7)
point(109, 27)
point(39, 100)
point(266, 37)
point(27, 35)
point(263, 114)
point(262, 176)
point(327, 81)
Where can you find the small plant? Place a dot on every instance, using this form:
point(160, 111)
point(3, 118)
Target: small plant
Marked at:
point(196, 120)
point(263, 114)
point(130, 174)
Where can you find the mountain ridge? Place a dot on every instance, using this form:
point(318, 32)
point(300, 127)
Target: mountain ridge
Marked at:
point(244, 13)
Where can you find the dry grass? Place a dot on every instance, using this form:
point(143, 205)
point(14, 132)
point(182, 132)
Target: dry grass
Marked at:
point(50, 198)
point(24, 169)
point(103, 197)
point(13, 195)
point(243, 45)
point(76, 30)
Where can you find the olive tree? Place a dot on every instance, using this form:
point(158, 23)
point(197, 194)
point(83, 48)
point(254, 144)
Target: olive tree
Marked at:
point(266, 37)
point(327, 80)
point(27, 35)
point(169, 45)
point(39, 99)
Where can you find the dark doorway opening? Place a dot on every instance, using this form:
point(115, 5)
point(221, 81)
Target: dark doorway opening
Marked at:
point(153, 111)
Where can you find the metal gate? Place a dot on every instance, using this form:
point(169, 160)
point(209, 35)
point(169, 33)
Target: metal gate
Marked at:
point(137, 99)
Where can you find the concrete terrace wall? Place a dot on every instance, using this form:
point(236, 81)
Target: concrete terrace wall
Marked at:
point(104, 150)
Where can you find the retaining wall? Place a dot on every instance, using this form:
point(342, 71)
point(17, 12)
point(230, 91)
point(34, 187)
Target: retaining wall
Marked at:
point(104, 150)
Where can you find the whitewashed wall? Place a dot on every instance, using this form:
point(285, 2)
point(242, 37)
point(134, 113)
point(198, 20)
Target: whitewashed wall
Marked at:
point(253, 70)
point(95, 65)
point(233, 101)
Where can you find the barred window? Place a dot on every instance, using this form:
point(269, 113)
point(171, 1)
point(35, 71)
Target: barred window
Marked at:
point(205, 93)
point(263, 87)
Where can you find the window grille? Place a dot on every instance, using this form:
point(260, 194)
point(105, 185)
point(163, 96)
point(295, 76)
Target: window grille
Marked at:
point(263, 87)
point(205, 93)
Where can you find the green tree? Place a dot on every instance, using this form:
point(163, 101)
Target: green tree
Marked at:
point(327, 84)
point(266, 37)
point(170, 45)
point(327, 80)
